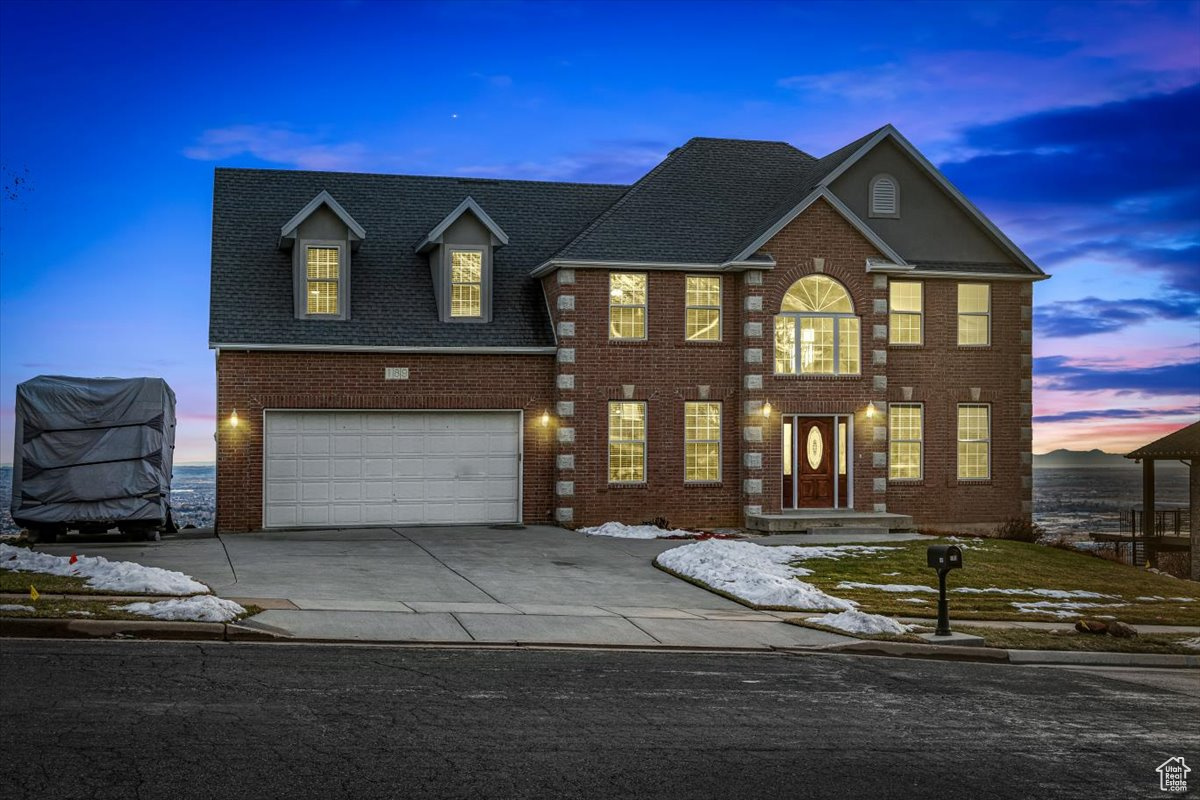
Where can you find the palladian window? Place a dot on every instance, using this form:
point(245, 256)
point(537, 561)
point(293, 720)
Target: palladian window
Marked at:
point(816, 331)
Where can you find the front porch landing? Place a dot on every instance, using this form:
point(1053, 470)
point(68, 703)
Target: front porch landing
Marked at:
point(828, 520)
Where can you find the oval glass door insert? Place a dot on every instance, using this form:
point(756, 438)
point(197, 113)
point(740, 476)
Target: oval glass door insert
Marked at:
point(814, 447)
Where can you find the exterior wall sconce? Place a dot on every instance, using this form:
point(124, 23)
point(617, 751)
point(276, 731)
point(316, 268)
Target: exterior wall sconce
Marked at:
point(233, 419)
point(545, 419)
point(766, 409)
point(871, 410)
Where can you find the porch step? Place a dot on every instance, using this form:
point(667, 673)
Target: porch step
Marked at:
point(829, 522)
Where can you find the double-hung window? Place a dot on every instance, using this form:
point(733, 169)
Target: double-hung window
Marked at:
point(905, 310)
point(703, 315)
point(466, 283)
point(974, 314)
point(627, 305)
point(626, 442)
point(905, 438)
point(974, 441)
point(323, 269)
point(816, 331)
point(702, 442)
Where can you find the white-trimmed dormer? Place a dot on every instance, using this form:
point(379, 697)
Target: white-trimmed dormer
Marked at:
point(321, 237)
point(460, 250)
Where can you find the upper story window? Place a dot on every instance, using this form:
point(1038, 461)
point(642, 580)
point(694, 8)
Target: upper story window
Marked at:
point(974, 314)
point(905, 312)
point(466, 283)
point(816, 331)
point(323, 268)
point(627, 305)
point(703, 323)
point(885, 196)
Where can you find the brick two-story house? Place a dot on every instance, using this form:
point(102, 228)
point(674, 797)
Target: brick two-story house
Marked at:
point(747, 333)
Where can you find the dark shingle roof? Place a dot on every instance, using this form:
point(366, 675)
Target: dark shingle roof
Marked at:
point(983, 268)
point(392, 299)
point(1183, 443)
point(696, 206)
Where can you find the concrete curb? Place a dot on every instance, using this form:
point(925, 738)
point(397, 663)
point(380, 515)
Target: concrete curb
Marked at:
point(57, 628)
point(869, 647)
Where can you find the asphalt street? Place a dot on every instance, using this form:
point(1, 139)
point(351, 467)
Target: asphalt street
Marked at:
point(146, 720)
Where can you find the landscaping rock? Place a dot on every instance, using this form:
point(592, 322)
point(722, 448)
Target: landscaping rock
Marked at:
point(1096, 626)
point(1121, 630)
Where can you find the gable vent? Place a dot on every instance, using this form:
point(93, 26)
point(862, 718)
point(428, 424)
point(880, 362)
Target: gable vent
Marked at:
point(885, 201)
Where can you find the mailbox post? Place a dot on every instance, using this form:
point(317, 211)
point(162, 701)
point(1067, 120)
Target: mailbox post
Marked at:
point(943, 558)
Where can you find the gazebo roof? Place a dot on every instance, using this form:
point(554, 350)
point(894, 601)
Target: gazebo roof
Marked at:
point(1183, 443)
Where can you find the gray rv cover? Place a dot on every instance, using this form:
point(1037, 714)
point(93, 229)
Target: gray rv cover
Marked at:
point(92, 450)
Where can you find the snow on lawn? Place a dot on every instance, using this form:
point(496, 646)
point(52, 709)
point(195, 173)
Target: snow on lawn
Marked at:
point(837, 551)
point(15, 607)
point(622, 531)
point(854, 621)
point(113, 576)
point(202, 608)
point(757, 574)
point(920, 600)
point(1061, 609)
point(1192, 643)
point(907, 588)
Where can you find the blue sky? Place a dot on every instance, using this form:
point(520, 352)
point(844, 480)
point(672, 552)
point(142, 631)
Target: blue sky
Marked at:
point(1075, 126)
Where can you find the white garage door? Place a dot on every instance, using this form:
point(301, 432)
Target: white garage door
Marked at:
point(339, 468)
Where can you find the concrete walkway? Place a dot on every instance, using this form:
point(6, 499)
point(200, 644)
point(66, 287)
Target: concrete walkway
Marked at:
point(538, 585)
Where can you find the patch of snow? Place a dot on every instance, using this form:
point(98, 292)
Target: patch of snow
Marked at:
point(114, 576)
point(1183, 599)
point(1068, 609)
point(1192, 643)
point(201, 608)
point(890, 574)
point(837, 551)
point(758, 574)
point(906, 588)
point(855, 621)
point(620, 530)
point(1061, 594)
point(80, 614)
point(1149, 599)
point(15, 607)
point(920, 600)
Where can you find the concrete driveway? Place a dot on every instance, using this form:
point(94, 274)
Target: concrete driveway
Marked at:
point(462, 584)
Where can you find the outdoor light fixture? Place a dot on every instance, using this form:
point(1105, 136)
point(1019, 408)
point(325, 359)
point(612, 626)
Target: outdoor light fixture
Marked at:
point(871, 410)
point(233, 420)
point(545, 419)
point(766, 409)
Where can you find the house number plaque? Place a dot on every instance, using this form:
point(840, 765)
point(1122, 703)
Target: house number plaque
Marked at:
point(395, 373)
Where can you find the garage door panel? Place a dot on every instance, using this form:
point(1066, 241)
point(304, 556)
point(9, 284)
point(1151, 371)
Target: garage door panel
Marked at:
point(388, 468)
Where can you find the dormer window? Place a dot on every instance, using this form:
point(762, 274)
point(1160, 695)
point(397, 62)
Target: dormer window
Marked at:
point(461, 249)
point(885, 197)
point(321, 237)
point(466, 283)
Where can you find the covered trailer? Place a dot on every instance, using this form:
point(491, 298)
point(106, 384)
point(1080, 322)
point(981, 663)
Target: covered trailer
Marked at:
point(93, 453)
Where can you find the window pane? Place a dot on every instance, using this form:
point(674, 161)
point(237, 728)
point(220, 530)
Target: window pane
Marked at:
point(974, 432)
point(904, 328)
point(322, 297)
point(785, 345)
point(816, 345)
point(626, 289)
point(973, 422)
point(904, 460)
point(848, 345)
point(702, 421)
point(465, 300)
point(703, 291)
point(817, 293)
point(905, 296)
point(972, 329)
point(973, 460)
point(626, 422)
point(626, 462)
point(904, 421)
point(841, 448)
point(627, 323)
point(466, 266)
point(322, 263)
point(703, 324)
point(973, 298)
point(702, 461)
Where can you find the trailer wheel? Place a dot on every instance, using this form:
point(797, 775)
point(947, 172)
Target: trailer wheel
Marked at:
point(43, 535)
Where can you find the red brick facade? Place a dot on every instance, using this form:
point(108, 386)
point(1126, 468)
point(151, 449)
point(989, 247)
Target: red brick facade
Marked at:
point(565, 464)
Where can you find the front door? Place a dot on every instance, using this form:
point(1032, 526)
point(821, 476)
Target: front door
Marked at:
point(814, 462)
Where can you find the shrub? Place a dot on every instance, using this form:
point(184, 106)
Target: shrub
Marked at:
point(659, 522)
point(1018, 529)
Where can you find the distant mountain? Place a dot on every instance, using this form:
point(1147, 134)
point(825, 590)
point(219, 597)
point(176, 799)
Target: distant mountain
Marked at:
point(1077, 459)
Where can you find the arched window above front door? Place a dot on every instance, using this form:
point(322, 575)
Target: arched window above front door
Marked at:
point(816, 331)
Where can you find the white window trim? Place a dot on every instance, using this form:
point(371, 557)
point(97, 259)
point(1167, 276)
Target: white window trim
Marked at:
point(958, 439)
point(645, 306)
point(343, 280)
point(920, 442)
point(871, 212)
point(719, 441)
point(797, 315)
point(609, 441)
point(719, 307)
point(483, 282)
point(987, 314)
point(920, 315)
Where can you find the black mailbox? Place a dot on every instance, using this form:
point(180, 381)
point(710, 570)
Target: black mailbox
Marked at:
point(945, 556)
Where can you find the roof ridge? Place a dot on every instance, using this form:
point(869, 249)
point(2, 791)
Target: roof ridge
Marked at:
point(411, 175)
